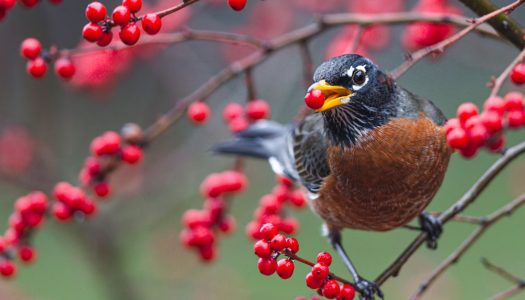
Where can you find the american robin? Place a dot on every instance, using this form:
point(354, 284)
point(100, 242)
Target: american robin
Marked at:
point(371, 158)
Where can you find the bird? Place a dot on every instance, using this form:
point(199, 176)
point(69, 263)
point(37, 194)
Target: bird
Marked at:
point(372, 157)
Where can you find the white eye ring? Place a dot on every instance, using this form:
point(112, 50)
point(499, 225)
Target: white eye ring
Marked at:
point(362, 68)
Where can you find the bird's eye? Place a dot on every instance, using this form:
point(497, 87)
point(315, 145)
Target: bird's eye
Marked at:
point(358, 77)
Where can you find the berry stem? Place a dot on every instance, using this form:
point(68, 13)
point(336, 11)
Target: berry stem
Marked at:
point(498, 83)
point(175, 8)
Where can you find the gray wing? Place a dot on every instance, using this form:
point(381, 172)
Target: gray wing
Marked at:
point(413, 105)
point(309, 149)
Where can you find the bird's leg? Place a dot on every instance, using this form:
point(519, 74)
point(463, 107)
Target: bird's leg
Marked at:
point(368, 289)
point(432, 227)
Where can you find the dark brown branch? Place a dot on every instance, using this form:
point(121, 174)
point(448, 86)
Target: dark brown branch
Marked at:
point(504, 25)
point(469, 242)
point(441, 46)
point(471, 195)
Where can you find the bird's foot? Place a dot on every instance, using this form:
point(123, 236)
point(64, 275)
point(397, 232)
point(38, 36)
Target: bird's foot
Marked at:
point(368, 289)
point(432, 227)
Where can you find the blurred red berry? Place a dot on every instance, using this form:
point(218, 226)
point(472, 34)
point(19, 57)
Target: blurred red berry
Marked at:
point(466, 110)
point(199, 112)
point(7, 268)
point(517, 75)
point(237, 5)
point(30, 48)
point(61, 211)
point(267, 266)
point(232, 111)
point(102, 189)
point(131, 154)
point(8, 4)
point(478, 135)
point(314, 99)
point(29, 3)
point(324, 258)
point(469, 151)
point(285, 268)
point(37, 67)
point(238, 124)
point(451, 124)
point(268, 231)
point(497, 145)
point(227, 225)
point(92, 32)
point(64, 68)
point(121, 15)
point(347, 292)
point(297, 198)
point(495, 104)
point(95, 12)
point(133, 5)
point(457, 138)
point(151, 23)
point(207, 253)
point(129, 34)
point(514, 101)
point(516, 118)
point(492, 120)
point(26, 254)
point(258, 109)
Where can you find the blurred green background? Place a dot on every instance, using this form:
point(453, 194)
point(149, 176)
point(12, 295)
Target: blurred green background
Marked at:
point(130, 250)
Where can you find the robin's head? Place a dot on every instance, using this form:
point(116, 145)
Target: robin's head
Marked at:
point(358, 96)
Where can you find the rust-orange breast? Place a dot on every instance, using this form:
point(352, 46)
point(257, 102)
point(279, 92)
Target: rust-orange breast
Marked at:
point(387, 178)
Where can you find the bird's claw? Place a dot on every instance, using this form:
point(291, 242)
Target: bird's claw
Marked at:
point(432, 227)
point(368, 289)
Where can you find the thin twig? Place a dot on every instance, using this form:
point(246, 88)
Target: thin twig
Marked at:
point(519, 283)
point(441, 46)
point(469, 242)
point(471, 195)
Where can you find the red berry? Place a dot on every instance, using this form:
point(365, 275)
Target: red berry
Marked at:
point(288, 225)
point(262, 248)
point(111, 142)
point(267, 266)
point(283, 180)
point(26, 254)
point(237, 5)
point(324, 258)
point(61, 211)
point(37, 67)
point(102, 189)
point(278, 242)
point(258, 109)
point(517, 75)
point(129, 34)
point(151, 23)
point(469, 151)
point(227, 225)
point(451, 124)
point(297, 198)
point(8, 4)
point(313, 282)
point(292, 244)
point(497, 145)
point(320, 271)
point(7, 268)
point(516, 118)
point(331, 289)
point(95, 12)
point(64, 68)
point(457, 138)
point(92, 32)
point(121, 15)
point(314, 99)
point(207, 253)
point(514, 101)
point(285, 268)
point(30, 48)
point(492, 120)
point(133, 5)
point(131, 154)
point(199, 112)
point(29, 3)
point(232, 111)
point(106, 39)
point(478, 135)
point(347, 292)
point(467, 110)
point(268, 231)
point(238, 124)
point(495, 104)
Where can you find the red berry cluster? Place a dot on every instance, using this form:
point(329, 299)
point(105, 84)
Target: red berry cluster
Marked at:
point(38, 59)
point(6, 5)
point(28, 215)
point(268, 249)
point(201, 225)
point(421, 34)
point(472, 130)
point(314, 99)
point(271, 209)
point(319, 279)
point(71, 201)
point(237, 5)
point(109, 145)
point(517, 75)
point(99, 29)
point(238, 118)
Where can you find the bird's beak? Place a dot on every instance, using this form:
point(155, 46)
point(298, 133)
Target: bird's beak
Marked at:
point(335, 95)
